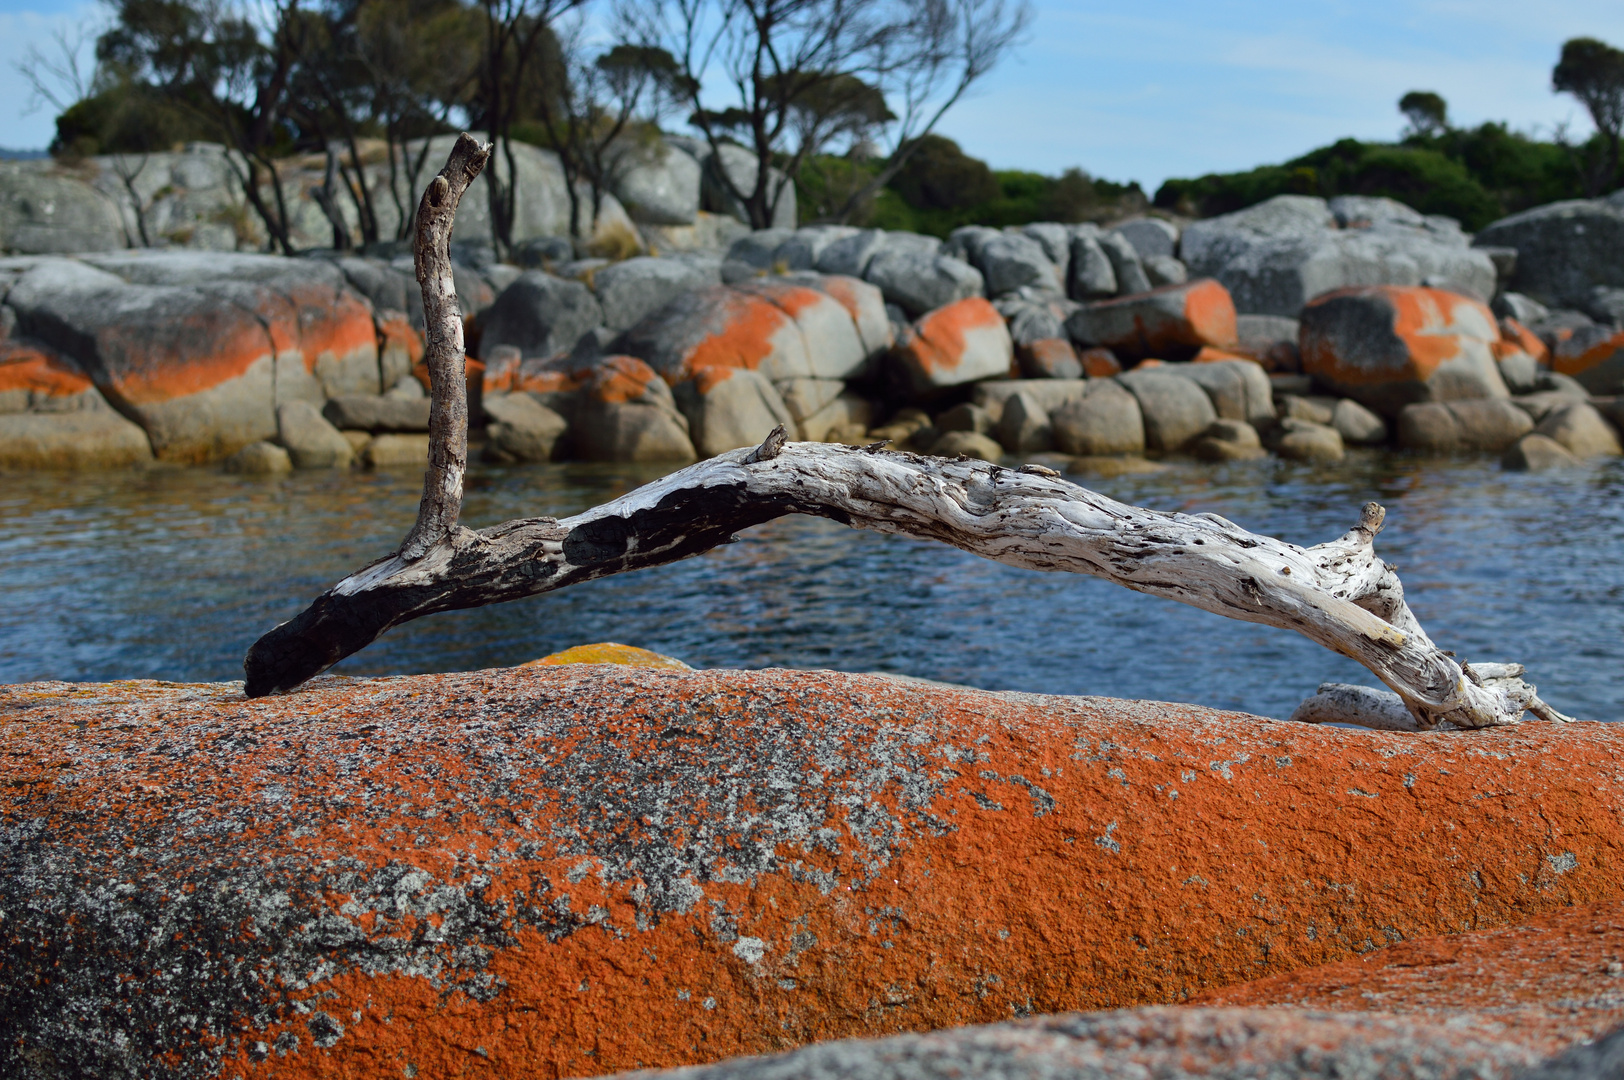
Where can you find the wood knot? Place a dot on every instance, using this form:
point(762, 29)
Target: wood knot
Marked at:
point(770, 447)
point(1371, 516)
point(439, 188)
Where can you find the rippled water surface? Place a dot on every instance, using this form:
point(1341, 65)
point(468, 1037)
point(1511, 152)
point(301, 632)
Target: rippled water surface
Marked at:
point(172, 573)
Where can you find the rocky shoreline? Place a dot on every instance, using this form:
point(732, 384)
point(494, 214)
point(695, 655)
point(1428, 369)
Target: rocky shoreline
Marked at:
point(1296, 327)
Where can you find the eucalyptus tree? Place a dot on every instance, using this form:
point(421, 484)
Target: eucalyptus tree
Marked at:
point(1593, 72)
point(791, 79)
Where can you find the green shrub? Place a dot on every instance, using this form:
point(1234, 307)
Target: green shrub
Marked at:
point(127, 118)
point(940, 176)
point(1475, 175)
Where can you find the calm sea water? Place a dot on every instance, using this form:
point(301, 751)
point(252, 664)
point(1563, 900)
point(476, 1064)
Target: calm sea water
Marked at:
point(172, 573)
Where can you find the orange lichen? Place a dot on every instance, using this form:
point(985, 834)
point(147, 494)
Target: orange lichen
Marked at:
point(1210, 355)
point(1427, 325)
point(1170, 318)
point(1538, 980)
point(843, 291)
point(745, 339)
point(1209, 315)
point(937, 343)
point(1053, 357)
point(28, 366)
point(1099, 363)
point(202, 350)
point(610, 652)
point(395, 330)
point(639, 867)
point(707, 379)
point(1515, 333)
point(619, 380)
point(1568, 360)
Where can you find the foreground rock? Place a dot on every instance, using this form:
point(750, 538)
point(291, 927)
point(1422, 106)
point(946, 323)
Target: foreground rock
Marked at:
point(578, 869)
point(1548, 983)
point(1491, 1003)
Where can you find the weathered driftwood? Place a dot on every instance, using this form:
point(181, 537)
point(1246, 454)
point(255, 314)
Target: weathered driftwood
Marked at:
point(1343, 703)
point(1338, 593)
point(443, 347)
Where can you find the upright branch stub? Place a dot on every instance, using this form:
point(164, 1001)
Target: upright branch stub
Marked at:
point(444, 352)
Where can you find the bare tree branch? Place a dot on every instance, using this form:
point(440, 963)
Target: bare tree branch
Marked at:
point(447, 361)
point(1339, 594)
point(56, 79)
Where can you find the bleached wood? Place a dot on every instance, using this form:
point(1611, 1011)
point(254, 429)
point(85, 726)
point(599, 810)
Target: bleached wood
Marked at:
point(443, 350)
point(1339, 594)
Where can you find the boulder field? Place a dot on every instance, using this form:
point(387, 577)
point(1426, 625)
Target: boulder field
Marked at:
point(1305, 327)
point(576, 869)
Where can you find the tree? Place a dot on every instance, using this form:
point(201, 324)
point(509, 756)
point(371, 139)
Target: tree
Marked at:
point(1427, 113)
point(421, 59)
point(801, 75)
point(225, 68)
point(940, 176)
point(1593, 72)
point(519, 44)
point(601, 114)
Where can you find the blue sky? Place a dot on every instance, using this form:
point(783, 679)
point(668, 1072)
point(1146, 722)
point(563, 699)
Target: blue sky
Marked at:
point(1176, 87)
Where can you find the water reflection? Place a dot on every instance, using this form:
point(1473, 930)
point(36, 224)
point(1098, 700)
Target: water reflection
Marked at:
point(172, 573)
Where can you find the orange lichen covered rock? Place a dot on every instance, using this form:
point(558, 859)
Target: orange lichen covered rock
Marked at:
point(200, 347)
point(1048, 358)
point(798, 326)
point(400, 346)
point(964, 342)
point(1553, 981)
point(719, 326)
point(610, 652)
point(1172, 322)
point(1099, 362)
point(30, 372)
point(1595, 356)
point(1387, 346)
point(568, 870)
point(627, 413)
point(834, 350)
point(1515, 335)
point(863, 302)
point(1210, 355)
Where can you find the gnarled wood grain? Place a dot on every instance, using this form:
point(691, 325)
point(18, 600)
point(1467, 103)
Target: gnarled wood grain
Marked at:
point(1339, 594)
point(443, 349)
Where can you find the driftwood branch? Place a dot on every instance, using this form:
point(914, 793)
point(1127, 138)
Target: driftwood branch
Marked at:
point(443, 348)
point(1338, 594)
